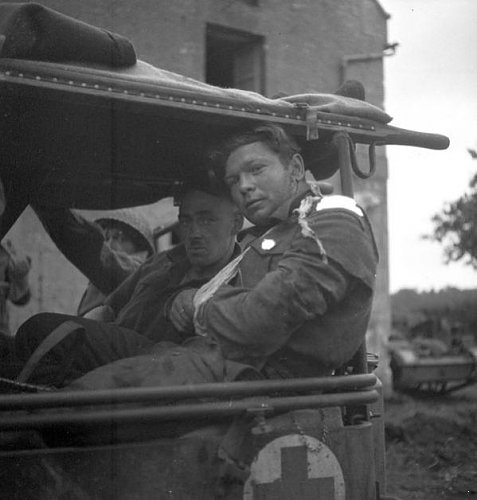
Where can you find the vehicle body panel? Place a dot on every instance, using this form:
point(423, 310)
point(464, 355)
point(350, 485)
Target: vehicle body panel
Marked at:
point(189, 467)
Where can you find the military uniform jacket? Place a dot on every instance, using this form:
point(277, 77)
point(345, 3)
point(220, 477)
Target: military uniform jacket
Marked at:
point(301, 301)
point(142, 301)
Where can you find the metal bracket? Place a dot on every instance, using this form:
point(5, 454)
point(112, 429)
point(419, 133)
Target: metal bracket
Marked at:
point(312, 132)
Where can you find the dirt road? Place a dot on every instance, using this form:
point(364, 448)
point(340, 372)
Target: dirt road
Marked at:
point(432, 446)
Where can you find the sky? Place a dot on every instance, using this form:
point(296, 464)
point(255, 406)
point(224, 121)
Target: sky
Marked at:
point(430, 86)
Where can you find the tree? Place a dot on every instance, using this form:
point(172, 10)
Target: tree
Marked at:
point(456, 226)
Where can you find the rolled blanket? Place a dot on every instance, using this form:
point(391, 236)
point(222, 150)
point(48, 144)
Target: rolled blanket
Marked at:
point(31, 31)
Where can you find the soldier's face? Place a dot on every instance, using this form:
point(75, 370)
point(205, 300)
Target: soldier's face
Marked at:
point(207, 227)
point(260, 184)
point(118, 239)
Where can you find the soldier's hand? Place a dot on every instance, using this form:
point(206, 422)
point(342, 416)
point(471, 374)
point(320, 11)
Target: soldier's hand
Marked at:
point(103, 313)
point(19, 265)
point(182, 311)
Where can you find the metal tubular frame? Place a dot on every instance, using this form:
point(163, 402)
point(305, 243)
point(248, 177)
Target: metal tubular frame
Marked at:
point(42, 420)
point(343, 143)
point(224, 390)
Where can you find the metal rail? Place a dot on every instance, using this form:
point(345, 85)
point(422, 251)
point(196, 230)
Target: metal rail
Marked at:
point(223, 390)
point(79, 418)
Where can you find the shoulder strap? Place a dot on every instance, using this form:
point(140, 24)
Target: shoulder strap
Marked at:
point(53, 339)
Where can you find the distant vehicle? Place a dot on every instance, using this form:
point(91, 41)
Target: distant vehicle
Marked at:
point(93, 138)
point(431, 365)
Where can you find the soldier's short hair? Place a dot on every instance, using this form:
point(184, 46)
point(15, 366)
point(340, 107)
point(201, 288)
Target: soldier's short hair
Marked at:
point(273, 136)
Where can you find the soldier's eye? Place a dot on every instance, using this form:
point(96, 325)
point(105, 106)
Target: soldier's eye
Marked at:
point(184, 222)
point(231, 180)
point(205, 221)
point(256, 169)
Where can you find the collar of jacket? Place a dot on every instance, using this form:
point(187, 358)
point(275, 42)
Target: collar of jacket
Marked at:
point(257, 231)
point(297, 200)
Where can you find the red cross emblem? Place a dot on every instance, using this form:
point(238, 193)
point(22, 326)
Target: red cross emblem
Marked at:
point(295, 467)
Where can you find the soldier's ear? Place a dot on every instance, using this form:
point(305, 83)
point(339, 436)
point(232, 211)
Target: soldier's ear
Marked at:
point(237, 221)
point(297, 166)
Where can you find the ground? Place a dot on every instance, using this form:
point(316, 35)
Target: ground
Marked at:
point(432, 446)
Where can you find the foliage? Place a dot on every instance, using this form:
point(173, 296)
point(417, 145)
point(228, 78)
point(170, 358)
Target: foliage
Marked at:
point(456, 227)
point(410, 307)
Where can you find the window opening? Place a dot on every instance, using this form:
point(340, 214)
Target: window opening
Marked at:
point(234, 59)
